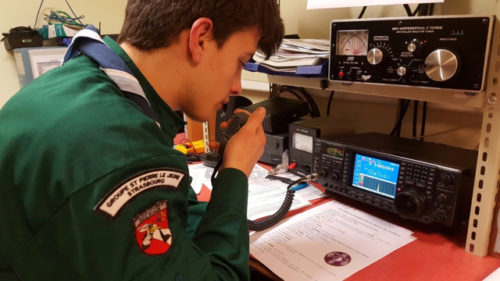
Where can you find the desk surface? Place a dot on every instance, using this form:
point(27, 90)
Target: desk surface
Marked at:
point(433, 256)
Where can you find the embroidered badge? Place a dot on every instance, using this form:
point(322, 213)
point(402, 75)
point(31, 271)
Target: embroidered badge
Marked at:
point(112, 203)
point(151, 229)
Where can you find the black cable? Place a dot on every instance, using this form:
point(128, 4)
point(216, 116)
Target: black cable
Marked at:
point(329, 105)
point(37, 14)
point(403, 107)
point(284, 208)
point(277, 216)
point(71, 9)
point(411, 13)
point(424, 117)
point(396, 124)
point(313, 107)
point(408, 9)
point(431, 9)
point(362, 12)
point(297, 95)
point(415, 116)
point(316, 112)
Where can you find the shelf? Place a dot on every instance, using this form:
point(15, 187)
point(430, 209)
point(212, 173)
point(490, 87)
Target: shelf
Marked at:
point(453, 97)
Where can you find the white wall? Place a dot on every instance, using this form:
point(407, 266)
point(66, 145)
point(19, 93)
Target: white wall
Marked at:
point(109, 13)
point(315, 23)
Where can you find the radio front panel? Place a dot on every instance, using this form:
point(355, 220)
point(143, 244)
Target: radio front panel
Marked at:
point(435, 52)
point(413, 189)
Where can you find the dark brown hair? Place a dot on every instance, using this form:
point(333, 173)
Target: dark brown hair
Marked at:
point(152, 24)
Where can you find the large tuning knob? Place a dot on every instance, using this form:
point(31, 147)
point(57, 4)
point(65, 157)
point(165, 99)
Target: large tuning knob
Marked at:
point(410, 204)
point(441, 65)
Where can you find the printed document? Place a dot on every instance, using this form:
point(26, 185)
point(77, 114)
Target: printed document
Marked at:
point(264, 196)
point(328, 242)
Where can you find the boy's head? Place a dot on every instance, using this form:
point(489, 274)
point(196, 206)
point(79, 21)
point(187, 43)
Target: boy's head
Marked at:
point(153, 24)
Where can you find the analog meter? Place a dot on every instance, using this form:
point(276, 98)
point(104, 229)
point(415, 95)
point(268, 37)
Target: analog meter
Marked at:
point(352, 42)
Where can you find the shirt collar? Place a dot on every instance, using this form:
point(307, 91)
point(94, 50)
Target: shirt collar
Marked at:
point(170, 121)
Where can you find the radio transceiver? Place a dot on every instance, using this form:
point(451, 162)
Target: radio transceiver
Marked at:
point(421, 181)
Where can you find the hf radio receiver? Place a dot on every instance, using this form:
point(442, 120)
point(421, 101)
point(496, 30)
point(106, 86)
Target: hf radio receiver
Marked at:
point(425, 182)
point(436, 52)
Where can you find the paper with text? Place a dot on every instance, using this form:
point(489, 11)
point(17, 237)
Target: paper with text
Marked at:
point(266, 196)
point(328, 242)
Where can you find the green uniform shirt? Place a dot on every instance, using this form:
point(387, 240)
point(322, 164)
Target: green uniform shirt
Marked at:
point(91, 188)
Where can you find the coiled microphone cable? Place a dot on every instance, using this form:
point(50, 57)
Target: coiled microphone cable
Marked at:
point(284, 208)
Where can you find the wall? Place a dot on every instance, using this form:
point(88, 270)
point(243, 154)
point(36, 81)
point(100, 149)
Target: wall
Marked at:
point(298, 20)
point(109, 13)
point(308, 23)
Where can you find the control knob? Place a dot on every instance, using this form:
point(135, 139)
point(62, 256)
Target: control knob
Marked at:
point(410, 204)
point(401, 71)
point(441, 65)
point(375, 56)
point(414, 45)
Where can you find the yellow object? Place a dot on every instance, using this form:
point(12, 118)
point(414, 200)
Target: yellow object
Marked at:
point(191, 147)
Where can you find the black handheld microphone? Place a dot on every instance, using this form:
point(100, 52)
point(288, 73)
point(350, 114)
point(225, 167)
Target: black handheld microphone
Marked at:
point(235, 123)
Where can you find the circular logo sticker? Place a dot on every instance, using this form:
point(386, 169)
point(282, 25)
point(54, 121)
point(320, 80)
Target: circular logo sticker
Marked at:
point(337, 258)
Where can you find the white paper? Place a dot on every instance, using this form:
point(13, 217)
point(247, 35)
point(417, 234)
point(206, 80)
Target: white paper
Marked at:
point(265, 200)
point(266, 196)
point(299, 248)
point(323, 4)
point(200, 174)
point(494, 276)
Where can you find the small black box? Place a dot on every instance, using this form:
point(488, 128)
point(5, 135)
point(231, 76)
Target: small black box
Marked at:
point(22, 37)
point(275, 146)
point(280, 112)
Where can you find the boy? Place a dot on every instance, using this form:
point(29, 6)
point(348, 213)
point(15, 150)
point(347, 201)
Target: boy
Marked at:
point(90, 187)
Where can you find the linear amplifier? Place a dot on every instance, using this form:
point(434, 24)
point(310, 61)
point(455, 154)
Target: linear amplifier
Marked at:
point(421, 181)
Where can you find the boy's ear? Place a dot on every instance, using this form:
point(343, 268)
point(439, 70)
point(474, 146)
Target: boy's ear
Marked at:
point(199, 36)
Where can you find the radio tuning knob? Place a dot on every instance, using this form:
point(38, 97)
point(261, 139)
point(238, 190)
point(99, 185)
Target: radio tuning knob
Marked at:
point(414, 45)
point(410, 204)
point(441, 65)
point(439, 215)
point(334, 177)
point(401, 71)
point(374, 56)
point(445, 178)
point(323, 173)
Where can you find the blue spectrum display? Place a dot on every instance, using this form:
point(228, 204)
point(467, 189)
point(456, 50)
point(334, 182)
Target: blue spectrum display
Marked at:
point(375, 175)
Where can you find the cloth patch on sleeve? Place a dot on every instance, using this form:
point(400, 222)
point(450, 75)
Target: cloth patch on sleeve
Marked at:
point(151, 229)
point(114, 201)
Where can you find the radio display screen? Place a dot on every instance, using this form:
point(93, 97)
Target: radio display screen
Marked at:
point(375, 175)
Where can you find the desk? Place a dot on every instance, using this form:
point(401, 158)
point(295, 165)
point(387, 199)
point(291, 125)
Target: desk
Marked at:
point(433, 256)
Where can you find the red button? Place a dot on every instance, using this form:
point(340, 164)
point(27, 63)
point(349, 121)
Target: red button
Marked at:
point(341, 74)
